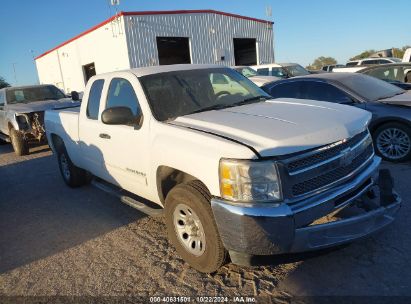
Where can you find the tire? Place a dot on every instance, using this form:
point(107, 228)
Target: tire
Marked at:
point(73, 176)
point(208, 253)
point(20, 146)
point(392, 141)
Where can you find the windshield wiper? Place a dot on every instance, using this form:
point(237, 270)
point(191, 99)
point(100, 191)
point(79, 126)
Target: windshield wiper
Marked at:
point(213, 107)
point(250, 100)
point(225, 106)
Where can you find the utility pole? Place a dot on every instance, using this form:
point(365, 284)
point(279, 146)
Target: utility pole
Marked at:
point(14, 70)
point(35, 66)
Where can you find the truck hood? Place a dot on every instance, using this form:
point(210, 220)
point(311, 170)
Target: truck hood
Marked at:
point(43, 105)
point(281, 126)
point(403, 99)
point(262, 80)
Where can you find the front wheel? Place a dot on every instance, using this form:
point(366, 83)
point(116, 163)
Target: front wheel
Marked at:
point(191, 227)
point(20, 145)
point(393, 142)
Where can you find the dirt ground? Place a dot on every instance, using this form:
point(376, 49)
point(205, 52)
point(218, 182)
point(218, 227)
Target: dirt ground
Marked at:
point(83, 242)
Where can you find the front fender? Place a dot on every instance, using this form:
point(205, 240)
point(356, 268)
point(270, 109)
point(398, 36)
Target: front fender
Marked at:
point(193, 152)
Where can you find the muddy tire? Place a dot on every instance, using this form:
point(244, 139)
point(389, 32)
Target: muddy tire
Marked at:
point(20, 146)
point(73, 176)
point(191, 227)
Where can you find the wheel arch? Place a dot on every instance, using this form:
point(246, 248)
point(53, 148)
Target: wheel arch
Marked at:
point(56, 143)
point(378, 123)
point(168, 177)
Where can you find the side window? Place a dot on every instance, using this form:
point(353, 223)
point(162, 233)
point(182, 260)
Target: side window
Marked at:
point(264, 72)
point(368, 62)
point(218, 78)
point(323, 92)
point(383, 61)
point(383, 73)
point(286, 90)
point(352, 63)
point(93, 104)
point(121, 94)
point(278, 72)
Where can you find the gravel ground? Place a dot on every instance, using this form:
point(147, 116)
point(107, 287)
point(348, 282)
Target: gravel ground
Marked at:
point(83, 242)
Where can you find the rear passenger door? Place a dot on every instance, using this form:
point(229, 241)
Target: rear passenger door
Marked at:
point(89, 130)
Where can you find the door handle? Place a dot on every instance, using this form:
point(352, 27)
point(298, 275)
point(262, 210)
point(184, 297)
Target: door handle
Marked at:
point(105, 136)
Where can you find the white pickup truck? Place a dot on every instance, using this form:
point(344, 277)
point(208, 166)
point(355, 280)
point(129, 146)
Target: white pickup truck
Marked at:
point(236, 174)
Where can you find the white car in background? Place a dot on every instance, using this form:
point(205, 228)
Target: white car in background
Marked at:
point(281, 70)
point(254, 77)
point(358, 65)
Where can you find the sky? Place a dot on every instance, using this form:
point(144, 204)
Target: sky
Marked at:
point(303, 29)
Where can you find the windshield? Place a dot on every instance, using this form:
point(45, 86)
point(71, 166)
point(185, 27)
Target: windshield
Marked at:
point(296, 70)
point(247, 72)
point(179, 93)
point(370, 88)
point(30, 94)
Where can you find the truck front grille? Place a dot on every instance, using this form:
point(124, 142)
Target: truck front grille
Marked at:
point(325, 154)
point(334, 175)
point(317, 170)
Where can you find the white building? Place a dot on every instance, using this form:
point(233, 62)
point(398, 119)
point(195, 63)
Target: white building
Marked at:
point(135, 39)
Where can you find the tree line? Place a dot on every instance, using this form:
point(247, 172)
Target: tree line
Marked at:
point(3, 83)
point(323, 60)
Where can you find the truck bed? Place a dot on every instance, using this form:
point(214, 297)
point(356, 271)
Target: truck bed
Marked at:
point(64, 123)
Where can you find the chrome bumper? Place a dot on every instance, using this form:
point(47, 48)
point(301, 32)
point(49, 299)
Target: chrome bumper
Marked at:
point(264, 229)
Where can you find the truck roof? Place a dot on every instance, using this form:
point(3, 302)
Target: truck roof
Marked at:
point(26, 87)
point(143, 71)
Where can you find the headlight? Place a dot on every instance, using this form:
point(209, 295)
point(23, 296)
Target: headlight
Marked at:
point(242, 180)
point(22, 121)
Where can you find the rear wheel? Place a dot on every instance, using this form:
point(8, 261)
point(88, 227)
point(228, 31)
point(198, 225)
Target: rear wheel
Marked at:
point(191, 227)
point(393, 142)
point(20, 145)
point(73, 176)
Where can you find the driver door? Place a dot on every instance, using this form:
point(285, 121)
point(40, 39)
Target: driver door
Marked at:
point(125, 147)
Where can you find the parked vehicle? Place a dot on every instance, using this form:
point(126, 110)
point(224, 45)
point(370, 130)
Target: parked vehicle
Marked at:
point(407, 55)
point(390, 105)
point(357, 65)
point(280, 70)
point(372, 61)
point(398, 74)
point(22, 113)
point(235, 172)
point(254, 77)
point(329, 68)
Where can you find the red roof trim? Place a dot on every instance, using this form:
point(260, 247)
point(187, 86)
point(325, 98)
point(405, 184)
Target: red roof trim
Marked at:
point(152, 13)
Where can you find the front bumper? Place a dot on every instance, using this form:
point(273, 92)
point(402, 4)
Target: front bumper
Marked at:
point(264, 229)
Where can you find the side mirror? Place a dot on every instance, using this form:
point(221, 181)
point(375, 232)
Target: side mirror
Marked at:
point(75, 96)
point(345, 100)
point(120, 116)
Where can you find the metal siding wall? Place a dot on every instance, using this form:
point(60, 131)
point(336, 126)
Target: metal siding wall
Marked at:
point(141, 33)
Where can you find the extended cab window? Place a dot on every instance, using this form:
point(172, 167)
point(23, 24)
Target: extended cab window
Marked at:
point(93, 104)
point(121, 94)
